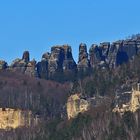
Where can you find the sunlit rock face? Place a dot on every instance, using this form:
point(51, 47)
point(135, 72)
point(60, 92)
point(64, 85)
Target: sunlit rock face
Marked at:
point(128, 101)
point(11, 118)
point(76, 105)
point(79, 104)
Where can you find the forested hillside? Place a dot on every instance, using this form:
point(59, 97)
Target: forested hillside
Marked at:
point(45, 89)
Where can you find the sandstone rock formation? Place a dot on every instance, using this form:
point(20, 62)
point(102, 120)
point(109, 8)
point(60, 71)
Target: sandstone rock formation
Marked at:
point(128, 101)
point(95, 54)
point(3, 65)
point(83, 62)
point(121, 51)
point(24, 65)
point(104, 47)
point(11, 118)
point(76, 105)
point(59, 61)
point(42, 67)
point(56, 60)
point(31, 69)
point(117, 53)
point(68, 63)
point(112, 55)
point(26, 56)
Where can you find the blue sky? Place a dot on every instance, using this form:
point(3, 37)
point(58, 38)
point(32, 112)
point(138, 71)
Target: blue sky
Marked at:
point(36, 25)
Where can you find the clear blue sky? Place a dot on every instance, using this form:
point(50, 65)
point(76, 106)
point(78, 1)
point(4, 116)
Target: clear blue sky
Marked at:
point(36, 25)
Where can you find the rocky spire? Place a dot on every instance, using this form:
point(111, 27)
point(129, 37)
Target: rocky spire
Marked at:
point(3, 65)
point(95, 55)
point(26, 56)
point(43, 66)
point(83, 62)
point(68, 63)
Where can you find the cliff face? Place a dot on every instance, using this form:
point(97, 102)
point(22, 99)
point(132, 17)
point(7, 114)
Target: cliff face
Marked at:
point(83, 62)
point(60, 63)
point(99, 54)
point(87, 117)
point(128, 101)
point(76, 105)
point(135, 101)
point(112, 55)
point(11, 118)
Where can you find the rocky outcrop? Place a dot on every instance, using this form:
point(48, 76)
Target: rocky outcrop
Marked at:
point(95, 54)
point(128, 101)
point(43, 66)
point(83, 62)
point(12, 118)
point(26, 56)
point(68, 63)
point(76, 105)
point(59, 61)
point(3, 65)
point(121, 51)
point(31, 69)
point(24, 65)
point(56, 60)
point(117, 53)
point(18, 65)
point(104, 47)
point(113, 55)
